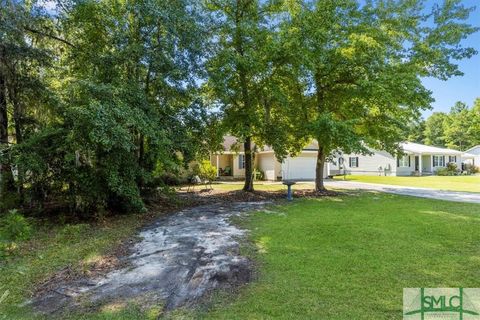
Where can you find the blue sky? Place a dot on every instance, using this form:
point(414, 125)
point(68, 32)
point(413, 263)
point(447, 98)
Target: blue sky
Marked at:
point(467, 87)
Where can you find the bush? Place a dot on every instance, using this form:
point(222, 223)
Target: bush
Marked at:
point(15, 227)
point(258, 174)
point(470, 168)
point(450, 170)
point(206, 171)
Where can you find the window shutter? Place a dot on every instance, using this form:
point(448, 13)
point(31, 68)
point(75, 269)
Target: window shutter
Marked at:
point(357, 163)
point(409, 161)
point(398, 162)
point(350, 162)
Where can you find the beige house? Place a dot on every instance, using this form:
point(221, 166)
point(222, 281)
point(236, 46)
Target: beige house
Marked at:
point(231, 162)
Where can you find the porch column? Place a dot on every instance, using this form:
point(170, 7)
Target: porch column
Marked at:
point(420, 164)
point(218, 168)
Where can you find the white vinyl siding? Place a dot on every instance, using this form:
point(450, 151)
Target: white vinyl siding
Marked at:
point(353, 162)
point(438, 161)
point(367, 164)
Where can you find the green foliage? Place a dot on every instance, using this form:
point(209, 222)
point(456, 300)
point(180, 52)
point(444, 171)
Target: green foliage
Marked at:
point(471, 169)
point(15, 227)
point(416, 131)
point(118, 101)
point(459, 129)
point(250, 78)
point(206, 171)
point(101, 100)
point(450, 170)
point(434, 129)
point(258, 174)
point(363, 85)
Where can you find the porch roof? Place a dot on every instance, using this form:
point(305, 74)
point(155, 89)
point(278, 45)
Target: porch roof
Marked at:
point(468, 155)
point(416, 148)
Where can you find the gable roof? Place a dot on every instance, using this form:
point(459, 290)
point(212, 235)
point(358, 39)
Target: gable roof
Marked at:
point(421, 148)
point(468, 155)
point(472, 148)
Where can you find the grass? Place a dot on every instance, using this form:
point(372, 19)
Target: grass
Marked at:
point(346, 257)
point(451, 183)
point(52, 248)
point(350, 257)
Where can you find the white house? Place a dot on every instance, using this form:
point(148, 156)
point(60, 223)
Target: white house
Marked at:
point(472, 156)
point(418, 159)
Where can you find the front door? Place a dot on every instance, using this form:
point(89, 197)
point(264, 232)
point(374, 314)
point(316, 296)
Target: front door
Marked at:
point(416, 163)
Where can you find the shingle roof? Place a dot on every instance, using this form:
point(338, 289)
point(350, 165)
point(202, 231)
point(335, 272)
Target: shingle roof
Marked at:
point(421, 148)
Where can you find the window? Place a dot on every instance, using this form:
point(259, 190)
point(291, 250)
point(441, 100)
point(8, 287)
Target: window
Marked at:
point(241, 161)
point(403, 161)
point(452, 159)
point(353, 162)
point(439, 161)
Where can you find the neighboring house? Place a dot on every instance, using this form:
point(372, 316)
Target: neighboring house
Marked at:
point(418, 159)
point(472, 156)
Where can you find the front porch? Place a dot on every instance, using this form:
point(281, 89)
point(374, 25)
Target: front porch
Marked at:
point(224, 165)
point(427, 164)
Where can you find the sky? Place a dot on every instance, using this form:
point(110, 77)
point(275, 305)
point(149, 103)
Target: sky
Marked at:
point(467, 87)
point(463, 88)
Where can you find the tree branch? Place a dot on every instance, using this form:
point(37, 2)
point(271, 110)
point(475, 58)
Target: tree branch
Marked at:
point(50, 36)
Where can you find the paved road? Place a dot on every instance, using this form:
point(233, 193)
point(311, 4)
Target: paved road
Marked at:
point(408, 191)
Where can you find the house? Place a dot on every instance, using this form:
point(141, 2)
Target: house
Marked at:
point(231, 162)
point(472, 156)
point(417, 159)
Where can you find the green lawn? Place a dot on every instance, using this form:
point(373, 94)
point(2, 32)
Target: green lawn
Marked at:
point(453, 183)
point(52, 248)
point(346, 257)
point(351, 257)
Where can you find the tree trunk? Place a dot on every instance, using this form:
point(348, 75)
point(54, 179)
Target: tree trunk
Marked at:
point(319, 186)
point(248, 165)
point(6, 178)
point(3, 112)
point(18, 121)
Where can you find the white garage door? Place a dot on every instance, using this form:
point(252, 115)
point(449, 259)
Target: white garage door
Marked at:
point(299, 168)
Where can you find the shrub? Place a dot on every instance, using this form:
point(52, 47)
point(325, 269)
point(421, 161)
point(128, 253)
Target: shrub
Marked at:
point(450, 170)
point(206, 171)
point(258, 174)
point(470, 168)
point(15, 227)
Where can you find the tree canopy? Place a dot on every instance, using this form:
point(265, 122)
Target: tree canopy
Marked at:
point(458, 129)
point(362, 67)
point(101, 100)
